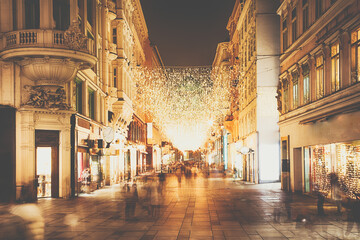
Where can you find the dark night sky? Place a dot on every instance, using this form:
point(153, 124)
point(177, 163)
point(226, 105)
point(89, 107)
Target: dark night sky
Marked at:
point(187, 32)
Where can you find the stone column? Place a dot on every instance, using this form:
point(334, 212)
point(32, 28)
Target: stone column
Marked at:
point(25, 159)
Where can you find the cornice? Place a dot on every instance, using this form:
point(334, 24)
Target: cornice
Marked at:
point(346, 100)
point(314, 29)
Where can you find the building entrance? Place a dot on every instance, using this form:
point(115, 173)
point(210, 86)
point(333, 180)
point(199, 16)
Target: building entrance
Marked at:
point(47, 163)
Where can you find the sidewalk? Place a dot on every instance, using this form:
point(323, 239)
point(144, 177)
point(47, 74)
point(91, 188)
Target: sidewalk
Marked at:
point(196, 208)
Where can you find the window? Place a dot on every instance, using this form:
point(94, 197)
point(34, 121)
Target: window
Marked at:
point(295, 89)
point(305, 15)
point(78, 95)
point(319, 77)
point(355, 56)
point(14, 13)
point(115, 80)
point(335, 68)
point(318, 8)
point(32, 14)
point(114, 33)
point(286, 96)
point(90, 12)
point(284, 34)
point(91, 103)
point(61, 14)
point(306, 83)
point(294, 25)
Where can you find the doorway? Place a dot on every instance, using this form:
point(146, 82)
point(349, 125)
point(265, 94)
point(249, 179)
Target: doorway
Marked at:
point(285, 164)
point(297, 170)
point(47, 163)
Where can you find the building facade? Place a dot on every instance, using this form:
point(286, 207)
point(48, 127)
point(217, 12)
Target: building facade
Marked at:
point(67, 92)
point(252, 121)
point(318, 94)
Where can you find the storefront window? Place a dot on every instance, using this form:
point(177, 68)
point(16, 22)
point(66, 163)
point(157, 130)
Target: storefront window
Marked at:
point(320, 168)
point(343, 159)
point(348, 167)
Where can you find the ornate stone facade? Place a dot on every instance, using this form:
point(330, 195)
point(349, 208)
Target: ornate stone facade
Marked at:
point(253, 48)
point(58, 74)
point(318, 90)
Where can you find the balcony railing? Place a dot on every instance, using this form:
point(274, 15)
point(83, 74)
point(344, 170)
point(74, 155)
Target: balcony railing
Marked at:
point(42, 38)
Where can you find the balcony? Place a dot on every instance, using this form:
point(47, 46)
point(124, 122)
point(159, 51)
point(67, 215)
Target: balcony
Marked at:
point(49, 57)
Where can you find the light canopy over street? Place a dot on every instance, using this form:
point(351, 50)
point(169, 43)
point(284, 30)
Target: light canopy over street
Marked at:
point(185, 102)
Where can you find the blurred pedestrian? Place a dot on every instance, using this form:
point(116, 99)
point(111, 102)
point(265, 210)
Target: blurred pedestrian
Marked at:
point(354, 215)
point(336, 191)
point(131, 199)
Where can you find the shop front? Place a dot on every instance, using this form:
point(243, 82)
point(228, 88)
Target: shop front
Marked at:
point(342, 159)
point(89, 160)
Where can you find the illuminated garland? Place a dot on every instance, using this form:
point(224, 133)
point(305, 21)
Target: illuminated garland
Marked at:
point(184, 101)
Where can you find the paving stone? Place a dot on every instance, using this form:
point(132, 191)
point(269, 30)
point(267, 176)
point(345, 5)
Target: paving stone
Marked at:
point(199, 208)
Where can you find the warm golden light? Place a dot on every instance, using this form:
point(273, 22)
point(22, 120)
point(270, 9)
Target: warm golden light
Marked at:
point(184, 101)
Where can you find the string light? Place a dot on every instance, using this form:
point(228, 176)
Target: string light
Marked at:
point(184, 101)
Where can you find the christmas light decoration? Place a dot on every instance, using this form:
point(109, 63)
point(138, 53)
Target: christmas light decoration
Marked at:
point(184, 102)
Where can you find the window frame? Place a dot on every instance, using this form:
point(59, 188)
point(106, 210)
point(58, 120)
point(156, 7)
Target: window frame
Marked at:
point(335, 67)
point(320, 76)
point(32, 14)
point(284, 33)
point(306, 83)
point(305, 15)
point(78, 95)
point(355, 56)
point(115, 77)
point(91, 102)
point(286, 95)
point(294, 32)
point(295, 90)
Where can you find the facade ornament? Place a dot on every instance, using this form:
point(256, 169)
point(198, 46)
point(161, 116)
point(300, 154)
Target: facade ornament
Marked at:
point(42, 97)
point(74, 38)
point(279, 97)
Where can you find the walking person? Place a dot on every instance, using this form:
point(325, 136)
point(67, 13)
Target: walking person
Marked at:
point(131, 199)
point(336, 191)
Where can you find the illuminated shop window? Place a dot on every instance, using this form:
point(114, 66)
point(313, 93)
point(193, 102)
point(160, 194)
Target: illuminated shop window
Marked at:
point(341, 159)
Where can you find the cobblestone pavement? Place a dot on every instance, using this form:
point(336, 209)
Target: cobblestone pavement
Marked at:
point(193, 208)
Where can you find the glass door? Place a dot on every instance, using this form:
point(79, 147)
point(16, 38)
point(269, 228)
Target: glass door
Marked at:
point(43, 170)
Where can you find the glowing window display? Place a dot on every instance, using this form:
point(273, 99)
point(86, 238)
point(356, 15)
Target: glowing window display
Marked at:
point(342, 159)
